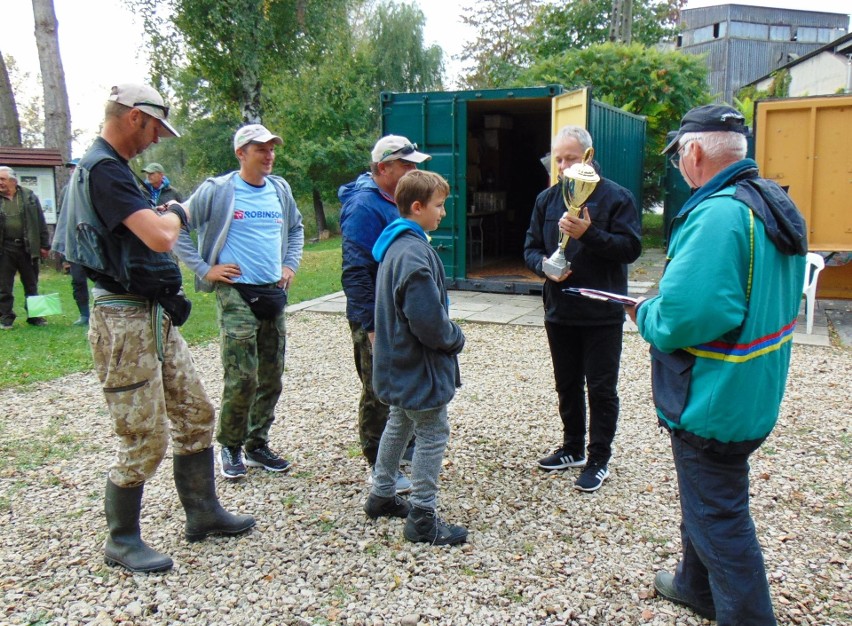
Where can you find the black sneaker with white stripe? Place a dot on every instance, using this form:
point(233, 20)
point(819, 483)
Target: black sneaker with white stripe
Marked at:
point(592, 477)
point(562, 458)
point(267, 459)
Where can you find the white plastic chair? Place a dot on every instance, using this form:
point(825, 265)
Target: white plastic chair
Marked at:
point(816, 263)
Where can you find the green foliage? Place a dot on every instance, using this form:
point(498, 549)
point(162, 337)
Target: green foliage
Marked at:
point(745, 105)
point(653, 227)
point(497, 52)
point(312, 69)
point(32, 354)
point(512, 35)
point(662, 86)
point(396, 52)
point(326, 109)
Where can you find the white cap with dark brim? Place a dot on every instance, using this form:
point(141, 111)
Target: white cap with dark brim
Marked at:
point(146, 99)
point(254, 133)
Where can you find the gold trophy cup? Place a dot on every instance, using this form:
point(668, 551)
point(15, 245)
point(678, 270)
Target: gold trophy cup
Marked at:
point(578, 183)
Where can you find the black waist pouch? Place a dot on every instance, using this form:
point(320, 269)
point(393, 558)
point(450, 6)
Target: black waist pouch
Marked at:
point(177, 306)
point(265, 302)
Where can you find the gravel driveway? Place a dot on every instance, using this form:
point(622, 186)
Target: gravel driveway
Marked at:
point(540, 552)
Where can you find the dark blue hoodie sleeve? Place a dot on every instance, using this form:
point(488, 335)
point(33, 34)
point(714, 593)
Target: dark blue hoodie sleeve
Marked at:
point(362, 220)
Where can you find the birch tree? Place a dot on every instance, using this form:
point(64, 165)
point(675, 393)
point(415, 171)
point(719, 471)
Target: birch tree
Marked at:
point(10, 126)
point(57, 116)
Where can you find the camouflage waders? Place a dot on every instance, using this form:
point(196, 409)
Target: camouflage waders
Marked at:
point(148, 399)
point(372, 414)
point(253, 361)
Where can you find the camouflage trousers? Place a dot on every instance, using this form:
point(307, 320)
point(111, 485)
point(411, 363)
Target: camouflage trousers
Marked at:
point(148, 400)
point(372, 414)
point(253, 361)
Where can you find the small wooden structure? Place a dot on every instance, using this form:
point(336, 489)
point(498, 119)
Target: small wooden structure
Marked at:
point(36, 171)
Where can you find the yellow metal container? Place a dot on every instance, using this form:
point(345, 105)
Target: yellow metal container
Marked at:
point(804, 144)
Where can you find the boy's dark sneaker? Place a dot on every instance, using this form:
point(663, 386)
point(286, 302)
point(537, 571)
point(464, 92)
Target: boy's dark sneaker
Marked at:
point(562, 458)
point(36, 321)
point(592, 477)
point(664, 584)
point(232, 462)
point(394, 506)
point(424, 526)
point(267, 459)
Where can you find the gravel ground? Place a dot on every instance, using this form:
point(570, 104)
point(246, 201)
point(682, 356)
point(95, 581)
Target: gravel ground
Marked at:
point(539, 552)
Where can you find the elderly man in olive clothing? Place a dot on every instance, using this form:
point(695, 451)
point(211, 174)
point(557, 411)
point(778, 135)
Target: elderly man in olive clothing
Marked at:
point(23, 239)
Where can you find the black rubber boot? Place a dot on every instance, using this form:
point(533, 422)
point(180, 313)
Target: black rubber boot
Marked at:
point(124, 545)
point(424, 525)
point(196, 487)
point(394, 506)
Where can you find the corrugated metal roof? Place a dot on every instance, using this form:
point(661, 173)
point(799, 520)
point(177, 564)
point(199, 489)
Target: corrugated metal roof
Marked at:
point(738, 51)
point(696, 18)
point(30, 157)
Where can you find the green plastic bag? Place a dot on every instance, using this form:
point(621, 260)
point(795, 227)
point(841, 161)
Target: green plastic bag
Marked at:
point(40, 306)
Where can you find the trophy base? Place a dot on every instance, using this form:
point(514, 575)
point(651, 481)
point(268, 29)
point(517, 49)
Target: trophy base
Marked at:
point(558, 268)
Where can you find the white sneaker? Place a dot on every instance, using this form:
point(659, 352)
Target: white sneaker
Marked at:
point(403, 485)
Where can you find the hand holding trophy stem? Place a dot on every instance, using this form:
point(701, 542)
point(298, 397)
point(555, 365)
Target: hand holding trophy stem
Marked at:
point(578, 183)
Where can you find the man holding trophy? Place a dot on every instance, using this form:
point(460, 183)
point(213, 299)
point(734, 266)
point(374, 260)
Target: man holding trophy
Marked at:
point(583, 232)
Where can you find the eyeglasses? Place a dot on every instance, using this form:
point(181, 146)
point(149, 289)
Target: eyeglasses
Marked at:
point(164, 109)
point(406, 149)
point(675, 158)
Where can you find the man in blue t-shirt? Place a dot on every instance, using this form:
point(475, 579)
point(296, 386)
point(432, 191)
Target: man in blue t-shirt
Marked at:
point(250, 240)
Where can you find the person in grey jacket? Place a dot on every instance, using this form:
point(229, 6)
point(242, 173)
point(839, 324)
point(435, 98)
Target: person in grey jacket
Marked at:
point(415, 360)
point(250, 240)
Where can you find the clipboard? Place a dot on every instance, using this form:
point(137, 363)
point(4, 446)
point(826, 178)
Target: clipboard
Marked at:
point(603, 296)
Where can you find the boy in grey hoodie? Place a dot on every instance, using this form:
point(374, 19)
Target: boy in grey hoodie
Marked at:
point(415, 360)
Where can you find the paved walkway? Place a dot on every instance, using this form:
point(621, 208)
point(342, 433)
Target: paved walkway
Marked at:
point(524, 310)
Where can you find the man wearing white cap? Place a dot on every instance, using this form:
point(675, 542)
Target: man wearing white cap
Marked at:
point(368, 206)
point(149, 381)
point(250, 239)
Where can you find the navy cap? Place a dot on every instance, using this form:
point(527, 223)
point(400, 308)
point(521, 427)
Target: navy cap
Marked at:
point(709, 118)
point(72, 163)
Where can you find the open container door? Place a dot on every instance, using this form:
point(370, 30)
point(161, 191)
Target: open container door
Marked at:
point(570, 108)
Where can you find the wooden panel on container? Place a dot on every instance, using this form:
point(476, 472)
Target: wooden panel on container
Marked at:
point(804, 143)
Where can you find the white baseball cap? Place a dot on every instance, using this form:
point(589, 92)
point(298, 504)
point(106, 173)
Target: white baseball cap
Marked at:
point(146, 99)
point(393, 147)
point(254, 133)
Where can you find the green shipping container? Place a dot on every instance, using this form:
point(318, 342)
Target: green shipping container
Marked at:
point(491, 147)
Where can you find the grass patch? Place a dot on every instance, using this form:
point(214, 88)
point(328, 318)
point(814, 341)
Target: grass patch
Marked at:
point(47, 446)
point(32, 354)
point(653, 231)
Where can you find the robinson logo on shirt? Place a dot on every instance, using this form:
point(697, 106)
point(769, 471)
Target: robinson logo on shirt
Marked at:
point(258, 215)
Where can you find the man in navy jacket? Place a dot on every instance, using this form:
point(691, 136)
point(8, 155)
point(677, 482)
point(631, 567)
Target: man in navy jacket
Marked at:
point(368, 207)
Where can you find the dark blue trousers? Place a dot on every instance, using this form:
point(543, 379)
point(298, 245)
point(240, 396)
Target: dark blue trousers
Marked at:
point(722, 564)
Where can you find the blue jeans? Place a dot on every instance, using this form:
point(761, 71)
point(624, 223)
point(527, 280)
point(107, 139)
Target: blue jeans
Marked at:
point(432, 430)
point(721, 564)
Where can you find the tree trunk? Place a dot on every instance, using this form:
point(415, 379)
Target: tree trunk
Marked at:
point(621, 24)
point(10, 125)
point(57, 118)
point(319, 215)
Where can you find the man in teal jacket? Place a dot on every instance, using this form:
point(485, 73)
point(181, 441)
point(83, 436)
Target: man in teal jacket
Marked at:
point(720, 331)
